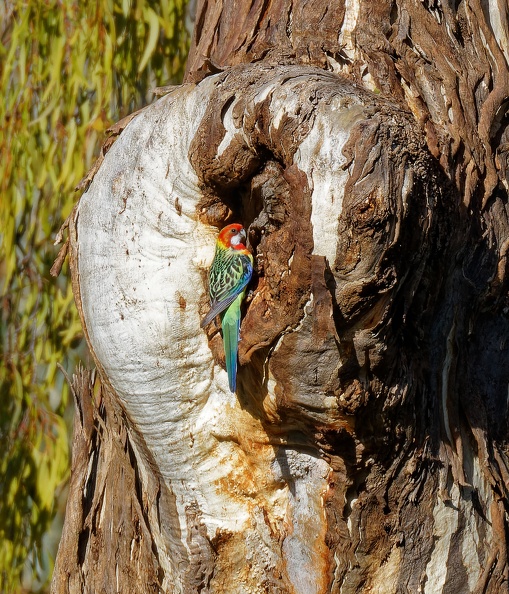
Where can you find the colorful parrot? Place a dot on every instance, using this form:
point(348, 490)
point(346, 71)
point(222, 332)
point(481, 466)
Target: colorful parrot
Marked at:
point(229, 275)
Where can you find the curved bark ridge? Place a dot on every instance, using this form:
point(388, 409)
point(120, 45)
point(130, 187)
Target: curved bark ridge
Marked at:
point(344, 227)
point(459, 93)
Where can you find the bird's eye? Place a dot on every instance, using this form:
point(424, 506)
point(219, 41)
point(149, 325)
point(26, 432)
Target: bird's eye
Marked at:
point(233, 231)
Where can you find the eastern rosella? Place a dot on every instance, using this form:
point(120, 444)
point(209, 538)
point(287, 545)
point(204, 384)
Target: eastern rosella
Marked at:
point(229, 275)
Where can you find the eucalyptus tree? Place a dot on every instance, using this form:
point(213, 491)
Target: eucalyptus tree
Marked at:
point(364, 148)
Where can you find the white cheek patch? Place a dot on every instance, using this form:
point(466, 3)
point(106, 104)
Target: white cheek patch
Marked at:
point(236, 239)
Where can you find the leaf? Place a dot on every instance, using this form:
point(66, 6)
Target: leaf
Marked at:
point(153, 21)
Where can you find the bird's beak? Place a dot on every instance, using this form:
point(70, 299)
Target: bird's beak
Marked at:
point(242, 233)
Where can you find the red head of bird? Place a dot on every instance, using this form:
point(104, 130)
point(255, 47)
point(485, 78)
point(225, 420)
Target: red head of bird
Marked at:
point(232, 236)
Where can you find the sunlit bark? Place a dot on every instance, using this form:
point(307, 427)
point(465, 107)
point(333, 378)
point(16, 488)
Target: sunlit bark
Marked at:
point(365, 449)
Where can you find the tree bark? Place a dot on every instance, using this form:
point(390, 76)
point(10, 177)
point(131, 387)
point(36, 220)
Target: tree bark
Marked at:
point(363, 145)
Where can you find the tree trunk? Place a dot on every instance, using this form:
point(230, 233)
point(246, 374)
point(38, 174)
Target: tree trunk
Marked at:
point(363, 145)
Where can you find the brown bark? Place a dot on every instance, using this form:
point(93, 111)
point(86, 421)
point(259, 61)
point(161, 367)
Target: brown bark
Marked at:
point(433, 51)
point(447, 66)
point(405, 327)
point(112, 537)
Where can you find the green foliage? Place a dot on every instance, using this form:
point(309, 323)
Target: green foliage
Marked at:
point(68, 70)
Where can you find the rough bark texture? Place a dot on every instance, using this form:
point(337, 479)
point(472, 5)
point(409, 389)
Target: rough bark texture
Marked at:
point(363, 145)
point(111, 532)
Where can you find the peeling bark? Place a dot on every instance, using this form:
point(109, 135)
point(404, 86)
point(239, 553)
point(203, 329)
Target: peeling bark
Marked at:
point(366, 447)
point(113, 535)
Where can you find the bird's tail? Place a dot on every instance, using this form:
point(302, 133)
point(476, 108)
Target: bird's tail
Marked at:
point(230, 325)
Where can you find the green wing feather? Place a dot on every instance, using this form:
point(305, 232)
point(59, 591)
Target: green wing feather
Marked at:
point(229, 275)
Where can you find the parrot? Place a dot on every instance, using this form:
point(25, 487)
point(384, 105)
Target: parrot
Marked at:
point(229, 274)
